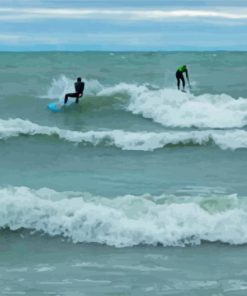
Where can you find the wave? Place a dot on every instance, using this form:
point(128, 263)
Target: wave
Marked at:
point(60, 86)
point(173, 108)
point(166, 106)
point(125, 140)
point(125, 221)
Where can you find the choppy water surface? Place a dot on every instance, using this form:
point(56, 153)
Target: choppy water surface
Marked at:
point(140, 189)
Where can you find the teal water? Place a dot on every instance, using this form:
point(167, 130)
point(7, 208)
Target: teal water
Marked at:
point(97, 270)
point(140, 189)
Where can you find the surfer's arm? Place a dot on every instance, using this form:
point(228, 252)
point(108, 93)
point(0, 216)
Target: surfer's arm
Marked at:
point(187, 77)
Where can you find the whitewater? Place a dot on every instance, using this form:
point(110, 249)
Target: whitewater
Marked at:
point(125, 220)
point(145, 141)
point(166, 106)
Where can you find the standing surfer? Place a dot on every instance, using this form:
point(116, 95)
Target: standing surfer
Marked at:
point(79, 88)
point(180, 76)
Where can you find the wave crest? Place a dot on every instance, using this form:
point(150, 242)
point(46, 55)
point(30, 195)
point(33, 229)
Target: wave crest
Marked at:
point(125, 140)
point(126, 220)
point(166, 106)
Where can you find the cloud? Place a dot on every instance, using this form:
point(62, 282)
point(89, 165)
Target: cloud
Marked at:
point(122, 28)
point(123, 14)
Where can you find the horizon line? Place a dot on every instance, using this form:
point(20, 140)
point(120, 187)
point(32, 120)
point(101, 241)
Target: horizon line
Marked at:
point(121, 50)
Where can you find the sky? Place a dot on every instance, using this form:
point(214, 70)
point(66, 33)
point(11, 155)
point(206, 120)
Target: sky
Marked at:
point(117, 25)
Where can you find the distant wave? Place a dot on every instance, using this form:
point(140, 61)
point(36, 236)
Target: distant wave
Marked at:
point(125, 220)
point(165, 106)
point(125, 140)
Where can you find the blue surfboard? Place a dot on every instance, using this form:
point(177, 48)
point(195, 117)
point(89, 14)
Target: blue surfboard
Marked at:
point(57, 106)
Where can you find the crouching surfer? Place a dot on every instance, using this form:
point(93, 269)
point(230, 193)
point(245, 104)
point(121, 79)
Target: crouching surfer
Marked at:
point(79, 88)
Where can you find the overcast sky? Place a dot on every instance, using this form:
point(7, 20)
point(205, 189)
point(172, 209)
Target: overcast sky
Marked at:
point(123, 25)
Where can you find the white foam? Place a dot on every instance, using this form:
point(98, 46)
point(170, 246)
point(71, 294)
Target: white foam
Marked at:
point(172, 108)
point(44, 268)
point(124, 221)
point(125, 140)
point(62, 85)
point(166, 106)
point(92, 281)
point(88, 265)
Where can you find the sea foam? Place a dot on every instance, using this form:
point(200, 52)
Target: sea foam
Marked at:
point(61, 85)
point(126, 140)
point(125, 220)
point(166, 106)
point(172, 108)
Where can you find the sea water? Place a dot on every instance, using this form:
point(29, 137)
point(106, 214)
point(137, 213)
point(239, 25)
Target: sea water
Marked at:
point(138, 190)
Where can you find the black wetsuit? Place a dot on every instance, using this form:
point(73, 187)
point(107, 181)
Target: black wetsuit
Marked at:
point(79, 88)
point(180, 76)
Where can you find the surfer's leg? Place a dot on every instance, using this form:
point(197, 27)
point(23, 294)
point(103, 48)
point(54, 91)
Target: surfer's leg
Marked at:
point(70, 95)
point(66, 98)
point(77, 98)
point(178, 79)
point(183, 81)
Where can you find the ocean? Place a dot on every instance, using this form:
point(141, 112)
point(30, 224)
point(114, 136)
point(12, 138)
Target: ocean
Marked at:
point(138, 190)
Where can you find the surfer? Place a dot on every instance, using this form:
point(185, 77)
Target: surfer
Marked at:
point(79, 88)
point(180, 76)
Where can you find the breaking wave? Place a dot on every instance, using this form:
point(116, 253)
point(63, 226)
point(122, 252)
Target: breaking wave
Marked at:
point(125, 221)
point(126, 140)
point(166, 106)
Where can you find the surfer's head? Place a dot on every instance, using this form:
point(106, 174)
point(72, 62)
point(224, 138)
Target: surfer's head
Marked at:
point(79, 79)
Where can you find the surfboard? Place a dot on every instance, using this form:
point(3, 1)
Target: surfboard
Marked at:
point(57, 106)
